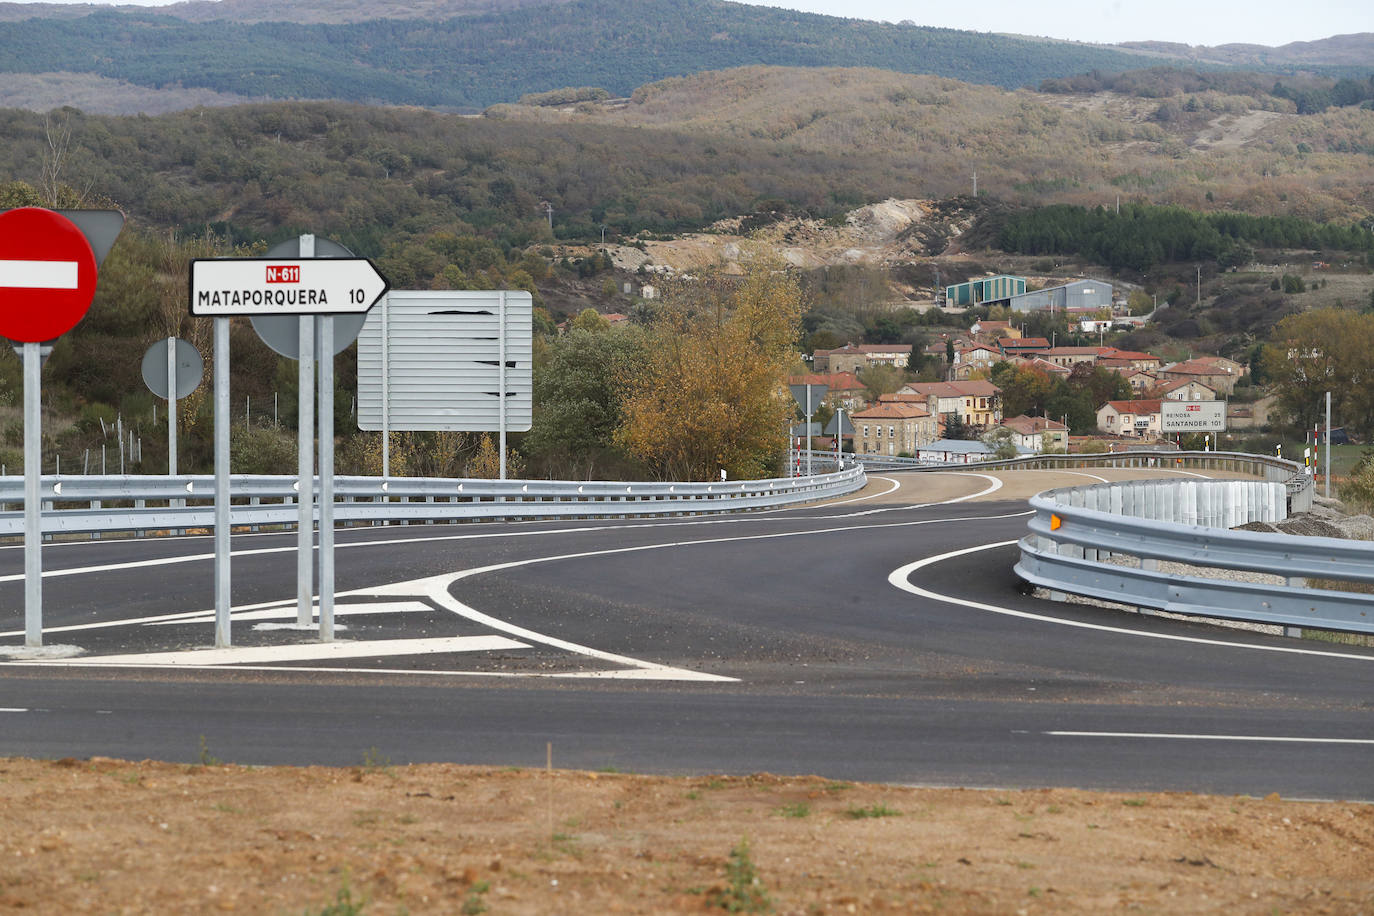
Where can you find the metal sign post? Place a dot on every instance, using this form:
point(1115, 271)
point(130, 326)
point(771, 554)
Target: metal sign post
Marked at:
point(33, 506)
point(222, 421)
point(325, 347)
point(292, 296)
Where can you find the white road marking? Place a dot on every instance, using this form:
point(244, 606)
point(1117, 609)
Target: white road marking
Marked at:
point(1062, 471)
point(12, 709)
point(370, 648)
point(17, 274)
point(899, 577)
point(288, 612)
point(1163, 735)
point(993, 486)
point(436, 588)
point(896, 485)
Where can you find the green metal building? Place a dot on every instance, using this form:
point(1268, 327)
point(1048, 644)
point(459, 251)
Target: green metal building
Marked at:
point(987, 289)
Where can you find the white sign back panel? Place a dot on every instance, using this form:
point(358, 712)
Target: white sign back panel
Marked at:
point(442, 357)
point(1192, 416)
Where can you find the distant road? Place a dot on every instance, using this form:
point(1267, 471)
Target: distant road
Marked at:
point(879, 637)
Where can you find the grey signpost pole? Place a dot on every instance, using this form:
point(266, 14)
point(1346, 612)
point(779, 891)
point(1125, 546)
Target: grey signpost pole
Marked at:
point(386, 388)
point(222, 421)
point(325, 354)
point(305, 465)
point(808, 430)
point(171, 406)
point(1326, 470)
point(33, 507)
point(501, 310)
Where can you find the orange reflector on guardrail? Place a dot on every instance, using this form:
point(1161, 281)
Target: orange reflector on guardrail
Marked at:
point(1055, 522)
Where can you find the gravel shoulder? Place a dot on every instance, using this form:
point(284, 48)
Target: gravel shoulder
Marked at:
point(111, 836)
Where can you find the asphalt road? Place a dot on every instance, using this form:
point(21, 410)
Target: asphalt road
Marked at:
point(881, 637)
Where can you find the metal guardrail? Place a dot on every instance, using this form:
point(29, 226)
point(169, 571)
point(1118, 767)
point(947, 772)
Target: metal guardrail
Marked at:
point(1268, 467)
point(102, 504)
point(1075, 531)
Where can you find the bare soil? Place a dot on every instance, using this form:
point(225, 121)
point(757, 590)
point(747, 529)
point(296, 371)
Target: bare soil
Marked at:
point(110, 836)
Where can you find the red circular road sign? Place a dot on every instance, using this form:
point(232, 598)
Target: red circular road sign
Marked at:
point(47, 274)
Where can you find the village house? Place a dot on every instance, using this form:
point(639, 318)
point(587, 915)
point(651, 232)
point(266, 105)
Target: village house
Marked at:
point(1022, 346)
point(1136, 419)
point(1184, 390)
point(1037, 434)
point(1219, 378)
point(1072, 356)
point(1147, 361)
point(977, 358)
point(892, 429)
point(1140, 380)
point(1041, 364)
point(977, 403)
point(854, 357)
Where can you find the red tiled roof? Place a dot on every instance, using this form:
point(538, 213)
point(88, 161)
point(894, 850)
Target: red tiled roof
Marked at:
point(1135, 407)
point(975, 388)
point(1129, 354)
point(1169, 385)
point(890, 411)
point(1029, 426)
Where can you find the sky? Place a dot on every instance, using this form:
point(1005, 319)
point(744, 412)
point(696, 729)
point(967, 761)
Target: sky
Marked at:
point(1194, 22)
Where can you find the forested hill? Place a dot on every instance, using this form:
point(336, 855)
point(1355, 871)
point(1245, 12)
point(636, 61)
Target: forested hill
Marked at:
point(473, 61)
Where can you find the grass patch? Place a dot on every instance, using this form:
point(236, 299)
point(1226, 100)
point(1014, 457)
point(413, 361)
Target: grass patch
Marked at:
point(343, 905)
point(473, 903)
point(207, 759)
point(796, 809)
point(872, 811)
point(743, 891)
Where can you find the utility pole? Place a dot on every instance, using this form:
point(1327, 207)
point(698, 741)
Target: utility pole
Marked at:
point(1199, 284)
point(975, 182)
point(548, 209)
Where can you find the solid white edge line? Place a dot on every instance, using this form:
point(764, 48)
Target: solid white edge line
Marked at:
point(899, 578)
point(1278, 739)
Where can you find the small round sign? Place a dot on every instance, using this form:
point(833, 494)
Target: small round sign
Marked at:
point(47, 274)
point(188, 368)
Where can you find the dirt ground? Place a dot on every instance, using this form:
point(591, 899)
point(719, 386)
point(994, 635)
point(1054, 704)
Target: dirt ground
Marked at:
point(109, 836)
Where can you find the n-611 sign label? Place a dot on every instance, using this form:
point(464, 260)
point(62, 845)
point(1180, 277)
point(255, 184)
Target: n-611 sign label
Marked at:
point(277, 286)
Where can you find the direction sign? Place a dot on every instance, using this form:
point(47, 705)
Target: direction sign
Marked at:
point(1192, 416)
point(284, 286)
point(47, 274)
point(283, 332)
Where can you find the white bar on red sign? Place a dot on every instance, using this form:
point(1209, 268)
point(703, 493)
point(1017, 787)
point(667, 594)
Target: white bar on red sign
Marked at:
point(38, 274)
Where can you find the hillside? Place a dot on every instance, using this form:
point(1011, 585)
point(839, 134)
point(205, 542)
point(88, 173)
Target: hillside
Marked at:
point(686, 152)
point(1084, 148)
point(471, 61)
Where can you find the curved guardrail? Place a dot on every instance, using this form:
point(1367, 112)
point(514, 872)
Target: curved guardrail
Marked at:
point(102, 504)
point(1267, 467)
point(1106, 541)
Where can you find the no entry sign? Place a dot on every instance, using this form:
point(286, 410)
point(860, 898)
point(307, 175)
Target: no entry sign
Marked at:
point(47, 274)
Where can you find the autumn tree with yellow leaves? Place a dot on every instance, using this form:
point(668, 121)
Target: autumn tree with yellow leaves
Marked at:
point(712, 395)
